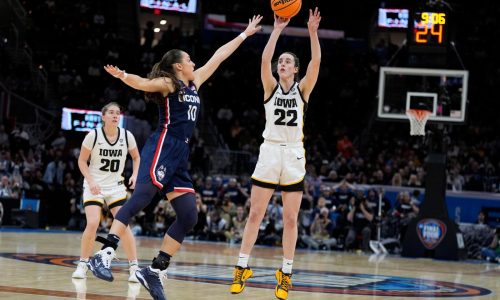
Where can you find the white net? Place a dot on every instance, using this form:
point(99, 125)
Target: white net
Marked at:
point(418, 119)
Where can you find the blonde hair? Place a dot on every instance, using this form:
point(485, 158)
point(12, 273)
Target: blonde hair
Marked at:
point(107, 106)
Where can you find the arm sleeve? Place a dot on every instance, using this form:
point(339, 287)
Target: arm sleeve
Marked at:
point(131, 141)
point(88, 142)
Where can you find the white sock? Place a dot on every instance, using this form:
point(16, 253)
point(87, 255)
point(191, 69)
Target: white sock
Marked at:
point(133, 262)
point(287, 266)
point(243, 260)
point(85, 260)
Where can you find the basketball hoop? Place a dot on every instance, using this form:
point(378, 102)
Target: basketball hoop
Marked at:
point(418, 119)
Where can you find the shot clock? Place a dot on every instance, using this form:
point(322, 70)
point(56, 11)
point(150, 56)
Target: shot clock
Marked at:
point(429, 31)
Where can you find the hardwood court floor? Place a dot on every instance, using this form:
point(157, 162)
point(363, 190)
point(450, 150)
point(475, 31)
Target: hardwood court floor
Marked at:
point(38, 265)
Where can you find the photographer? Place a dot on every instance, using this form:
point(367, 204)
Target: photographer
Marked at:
point(216, 227)
point(164, 215)
point(360, 215)
point(236, 194)
point(321, 230)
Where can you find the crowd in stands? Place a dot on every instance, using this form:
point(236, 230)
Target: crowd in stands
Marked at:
point(73, 40)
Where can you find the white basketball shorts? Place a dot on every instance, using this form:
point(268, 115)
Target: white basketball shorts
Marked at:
point(282, 164)
point(115, 196)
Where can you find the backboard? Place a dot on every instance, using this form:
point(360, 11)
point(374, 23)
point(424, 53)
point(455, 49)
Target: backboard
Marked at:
point(443, 92)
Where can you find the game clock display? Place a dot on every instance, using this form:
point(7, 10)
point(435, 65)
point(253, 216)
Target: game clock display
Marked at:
point(429, 29)
point(392, 18)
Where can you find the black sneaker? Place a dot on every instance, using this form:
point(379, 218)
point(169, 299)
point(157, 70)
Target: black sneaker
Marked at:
point(100, 264)
point(151, 280)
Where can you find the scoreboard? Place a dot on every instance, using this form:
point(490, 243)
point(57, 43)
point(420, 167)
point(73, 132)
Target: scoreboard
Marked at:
point(75, 119)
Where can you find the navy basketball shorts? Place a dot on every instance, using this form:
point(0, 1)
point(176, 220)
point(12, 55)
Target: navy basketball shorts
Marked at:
point(164, 163)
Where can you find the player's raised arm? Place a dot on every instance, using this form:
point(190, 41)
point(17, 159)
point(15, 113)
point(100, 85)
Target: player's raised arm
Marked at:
point(266, 72)
point(203, 73)
point(309, 81)
point(155, 85)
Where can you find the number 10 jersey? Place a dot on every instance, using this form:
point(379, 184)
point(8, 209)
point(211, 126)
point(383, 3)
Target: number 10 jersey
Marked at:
point(285, 114)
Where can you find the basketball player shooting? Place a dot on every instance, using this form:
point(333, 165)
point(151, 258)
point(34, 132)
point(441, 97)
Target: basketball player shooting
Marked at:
point(282, 156)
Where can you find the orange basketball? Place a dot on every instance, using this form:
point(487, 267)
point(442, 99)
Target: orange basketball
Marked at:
point(286, 8)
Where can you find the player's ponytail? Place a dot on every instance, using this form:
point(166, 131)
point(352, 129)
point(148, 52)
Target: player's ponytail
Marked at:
point(164, 68)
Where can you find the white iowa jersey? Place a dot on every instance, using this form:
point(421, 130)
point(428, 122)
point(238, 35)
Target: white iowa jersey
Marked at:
point(107, 160)
point(285, 115)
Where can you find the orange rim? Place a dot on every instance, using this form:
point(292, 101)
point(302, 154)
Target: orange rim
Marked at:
point(419, 114)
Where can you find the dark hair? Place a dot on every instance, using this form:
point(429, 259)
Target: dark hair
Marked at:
point(164, 68)
point(295, 59)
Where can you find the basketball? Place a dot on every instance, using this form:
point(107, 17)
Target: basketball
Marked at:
point(286, 8)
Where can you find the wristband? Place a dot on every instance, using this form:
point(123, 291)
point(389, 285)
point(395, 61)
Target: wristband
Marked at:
point(124, 75)
point(243, 35)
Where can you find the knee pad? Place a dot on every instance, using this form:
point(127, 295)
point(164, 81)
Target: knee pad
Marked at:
point(190, 220)
point(187, 216)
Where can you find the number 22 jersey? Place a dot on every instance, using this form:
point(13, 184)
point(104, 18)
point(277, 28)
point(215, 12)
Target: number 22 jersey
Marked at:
point(285, 113)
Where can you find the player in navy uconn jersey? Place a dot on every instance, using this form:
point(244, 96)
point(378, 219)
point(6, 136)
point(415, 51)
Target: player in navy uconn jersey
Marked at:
point(172, 84)
point(282, 157)
point(107, 147)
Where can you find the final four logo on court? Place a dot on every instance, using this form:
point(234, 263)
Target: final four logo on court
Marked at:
point(431, 232)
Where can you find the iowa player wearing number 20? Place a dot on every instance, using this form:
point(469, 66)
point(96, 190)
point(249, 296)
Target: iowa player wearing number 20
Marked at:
point(282, 157)
point(107, 147)
point(173, 85)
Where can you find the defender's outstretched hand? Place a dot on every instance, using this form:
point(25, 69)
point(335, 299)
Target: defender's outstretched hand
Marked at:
point(115, 71)
point(314, 19)
point(252, 25)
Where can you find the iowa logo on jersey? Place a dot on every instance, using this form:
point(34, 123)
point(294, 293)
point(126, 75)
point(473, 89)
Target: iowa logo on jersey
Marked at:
point(110, 152)
point(287, 103)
